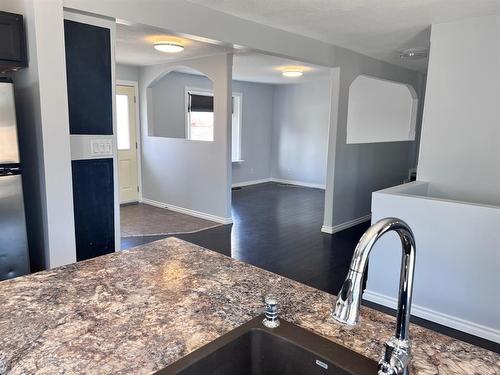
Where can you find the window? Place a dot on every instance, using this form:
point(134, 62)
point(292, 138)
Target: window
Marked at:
point(122, 122)
point(200, 118)
point(236, 128)
point(200, 115)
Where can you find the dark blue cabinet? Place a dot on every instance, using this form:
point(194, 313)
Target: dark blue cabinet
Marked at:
point(93, 193)
point(88, 71)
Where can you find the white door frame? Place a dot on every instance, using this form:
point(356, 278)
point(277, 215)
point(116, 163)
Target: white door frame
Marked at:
point(135, 85)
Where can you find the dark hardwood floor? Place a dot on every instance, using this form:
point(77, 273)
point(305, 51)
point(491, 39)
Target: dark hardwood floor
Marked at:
point(277, 227)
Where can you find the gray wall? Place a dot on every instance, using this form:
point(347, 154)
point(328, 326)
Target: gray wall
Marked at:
point(169, 103)
point(278, 140)
point(190, 175)
point(284, 127)
point(257, 117)
point(300, 131)
point(360, 169)
point(126, 72)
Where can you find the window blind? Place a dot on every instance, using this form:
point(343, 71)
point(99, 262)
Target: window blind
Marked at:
point(201, 103)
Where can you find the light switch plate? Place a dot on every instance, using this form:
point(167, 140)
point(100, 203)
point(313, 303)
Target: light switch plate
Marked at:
point(101, 147)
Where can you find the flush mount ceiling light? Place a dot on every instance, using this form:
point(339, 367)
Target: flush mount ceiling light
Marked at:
point(292, 73)
point(413, 54)
point(169, 47)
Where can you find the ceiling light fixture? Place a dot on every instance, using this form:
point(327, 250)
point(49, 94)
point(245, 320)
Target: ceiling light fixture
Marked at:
point(169, 47)
point(292, 73)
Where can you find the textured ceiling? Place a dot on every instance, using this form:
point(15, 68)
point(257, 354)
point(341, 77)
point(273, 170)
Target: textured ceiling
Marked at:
point(377, 28)
point(253, 67)
point(134, 46)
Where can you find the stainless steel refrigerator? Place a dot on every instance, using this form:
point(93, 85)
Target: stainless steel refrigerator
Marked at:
point(14, 259)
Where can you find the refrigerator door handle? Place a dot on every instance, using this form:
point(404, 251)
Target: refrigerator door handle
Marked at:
point(10, 170)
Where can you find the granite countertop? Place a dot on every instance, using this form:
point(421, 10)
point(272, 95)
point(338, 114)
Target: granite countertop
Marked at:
point(138, 311)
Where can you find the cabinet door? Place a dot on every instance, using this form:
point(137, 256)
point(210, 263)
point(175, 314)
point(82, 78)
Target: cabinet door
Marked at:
point(93, 192)
point(12, 41)
point(88, 70)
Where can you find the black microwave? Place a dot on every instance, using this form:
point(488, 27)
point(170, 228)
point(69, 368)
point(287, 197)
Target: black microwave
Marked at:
point(12, 42)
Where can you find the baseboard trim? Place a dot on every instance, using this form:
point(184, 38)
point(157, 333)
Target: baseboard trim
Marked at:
point(279, 181)
point(129, 203)
point(249, 183)
point(187, 211)
point(298, 183)
point(348, 224)
point(472, 328)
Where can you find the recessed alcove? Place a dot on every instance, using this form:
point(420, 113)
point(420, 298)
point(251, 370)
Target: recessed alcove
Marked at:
point(180, 104)
point(381, 111)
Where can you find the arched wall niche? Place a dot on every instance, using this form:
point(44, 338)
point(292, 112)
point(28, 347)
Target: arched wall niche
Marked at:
point(180, 104)
point(381, 111)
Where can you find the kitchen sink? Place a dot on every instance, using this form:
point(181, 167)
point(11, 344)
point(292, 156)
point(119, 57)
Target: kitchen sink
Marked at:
point(252, 349)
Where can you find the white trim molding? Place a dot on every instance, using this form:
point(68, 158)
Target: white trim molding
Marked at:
point(237, 111)
point(135, 85)
point(198, 91)
point(279, 181)
point(298, 183)
point(249, 183)
point(187, 211)
point(348, 224)
point(472, 328)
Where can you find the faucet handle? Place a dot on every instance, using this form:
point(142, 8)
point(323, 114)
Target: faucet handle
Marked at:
point(271, 312)
point(396, 357)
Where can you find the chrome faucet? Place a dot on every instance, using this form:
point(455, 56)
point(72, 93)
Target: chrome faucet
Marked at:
point(397, 355)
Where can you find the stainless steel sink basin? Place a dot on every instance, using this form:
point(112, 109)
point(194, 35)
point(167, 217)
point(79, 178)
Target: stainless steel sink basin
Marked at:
point(252, 349)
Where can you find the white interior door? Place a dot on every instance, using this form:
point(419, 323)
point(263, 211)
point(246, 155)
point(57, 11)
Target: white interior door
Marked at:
point(127, 143)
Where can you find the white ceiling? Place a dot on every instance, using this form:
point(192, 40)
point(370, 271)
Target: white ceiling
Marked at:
point(377, 28)
point(134, 46)
point(253, 67)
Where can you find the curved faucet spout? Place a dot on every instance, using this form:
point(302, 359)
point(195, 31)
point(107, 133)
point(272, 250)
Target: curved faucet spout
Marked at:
point(349, 299)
